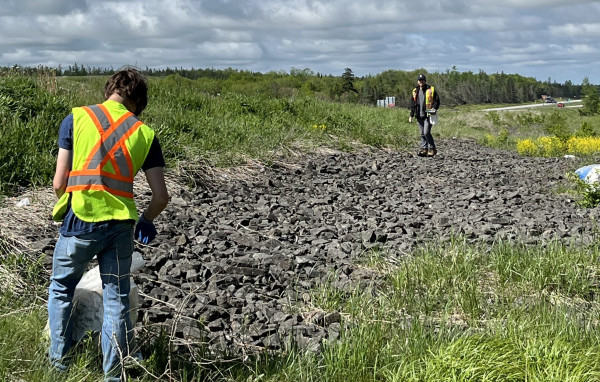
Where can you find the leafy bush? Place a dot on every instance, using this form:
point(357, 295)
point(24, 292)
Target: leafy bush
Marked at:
point(543, 146)
point(552, 146)
point(588, 194)
point(30, 116)
point(583, 145)
point(493, 117)
point(503, 136)
point(591, 99)
point(586, 130)
point(556, 124)
point(499, 140)
point(529, 119)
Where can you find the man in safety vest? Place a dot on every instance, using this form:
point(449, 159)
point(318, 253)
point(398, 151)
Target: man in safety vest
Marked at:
point(424, 105)
point(101, 148)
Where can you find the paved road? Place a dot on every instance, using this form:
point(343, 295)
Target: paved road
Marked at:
point(567, 104)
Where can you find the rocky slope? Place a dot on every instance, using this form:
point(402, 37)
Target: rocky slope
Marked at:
point(233, 263)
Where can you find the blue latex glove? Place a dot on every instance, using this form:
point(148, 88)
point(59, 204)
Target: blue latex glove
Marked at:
point(145, 231)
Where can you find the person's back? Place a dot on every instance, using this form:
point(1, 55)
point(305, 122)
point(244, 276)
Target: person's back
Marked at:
point(101, 148)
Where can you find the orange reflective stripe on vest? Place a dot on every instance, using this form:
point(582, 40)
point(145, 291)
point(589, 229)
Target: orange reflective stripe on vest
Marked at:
point(110, 147)
point(428, 96)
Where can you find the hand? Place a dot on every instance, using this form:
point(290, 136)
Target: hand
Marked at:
point(432, 111)
point(145, 231)
point(409, 119)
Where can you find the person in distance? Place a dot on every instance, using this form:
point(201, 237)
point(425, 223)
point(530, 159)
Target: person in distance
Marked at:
point(424, 106)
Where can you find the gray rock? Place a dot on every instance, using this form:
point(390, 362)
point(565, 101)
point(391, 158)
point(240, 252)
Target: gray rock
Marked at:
point(241, 256)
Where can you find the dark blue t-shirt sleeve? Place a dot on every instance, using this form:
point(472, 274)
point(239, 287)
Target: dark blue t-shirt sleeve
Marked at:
point(65, 133)
point(155, 156)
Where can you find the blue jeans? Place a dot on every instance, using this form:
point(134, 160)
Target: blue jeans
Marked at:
point(425, 129)
point(113, 247)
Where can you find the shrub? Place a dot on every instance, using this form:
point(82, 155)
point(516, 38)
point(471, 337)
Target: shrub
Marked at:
point(529, 119)
point(30, 117)
point(543, 146)
point(499, 140)
point(586, 130)
point(583, 145)
point(556, 124)
point(591, 99)
point(527, 147)
point(588, 194)
point(552, 146)
point(503, 136)
point(493, 117)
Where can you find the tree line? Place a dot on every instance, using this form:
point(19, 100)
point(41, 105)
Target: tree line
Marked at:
point(455, 88)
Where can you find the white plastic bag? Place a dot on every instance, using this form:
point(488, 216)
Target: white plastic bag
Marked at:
point(23, 202)
point(589, 174)
point(433, 118)
point(87, 301)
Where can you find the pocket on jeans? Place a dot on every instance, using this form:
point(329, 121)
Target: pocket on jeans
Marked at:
point(79, 250)
point(81, 244)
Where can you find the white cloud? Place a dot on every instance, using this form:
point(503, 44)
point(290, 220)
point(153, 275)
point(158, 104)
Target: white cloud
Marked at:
point(325, 36)
point(577, 30)
point(230, 50)
point(581, 49)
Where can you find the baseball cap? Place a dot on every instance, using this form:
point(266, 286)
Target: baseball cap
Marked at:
point(421, 77)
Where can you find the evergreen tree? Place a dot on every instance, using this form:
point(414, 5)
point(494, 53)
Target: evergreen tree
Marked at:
point(348, 81)
point(591, 98)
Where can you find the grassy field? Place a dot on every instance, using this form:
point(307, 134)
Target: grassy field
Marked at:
point(456, 312)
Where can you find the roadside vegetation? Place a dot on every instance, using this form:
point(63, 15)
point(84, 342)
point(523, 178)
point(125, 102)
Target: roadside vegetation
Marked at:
point(459, 312)
point(248, 123)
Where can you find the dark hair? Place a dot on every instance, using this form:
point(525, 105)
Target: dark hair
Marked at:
point(129, 83)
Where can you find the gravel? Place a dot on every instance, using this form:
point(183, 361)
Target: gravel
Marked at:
point(233, 265)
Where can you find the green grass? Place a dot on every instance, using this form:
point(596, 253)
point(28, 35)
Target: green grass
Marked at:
point(233, 128)
point(227, 129)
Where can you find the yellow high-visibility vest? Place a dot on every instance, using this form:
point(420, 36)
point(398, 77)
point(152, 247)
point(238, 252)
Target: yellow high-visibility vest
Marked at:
point(428, 97)
point(110, 145)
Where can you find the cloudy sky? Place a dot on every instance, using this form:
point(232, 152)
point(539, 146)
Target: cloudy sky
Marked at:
point(557, 39)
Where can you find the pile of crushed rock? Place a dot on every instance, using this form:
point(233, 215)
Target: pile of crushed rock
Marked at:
point(234, 264)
